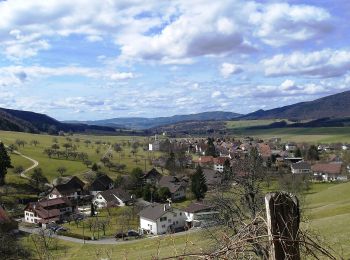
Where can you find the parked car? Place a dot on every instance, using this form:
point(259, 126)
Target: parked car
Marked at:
point(120, 235)
point(61, 229)
point(133, 233)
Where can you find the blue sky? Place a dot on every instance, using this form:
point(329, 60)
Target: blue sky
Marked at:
point(88, 59)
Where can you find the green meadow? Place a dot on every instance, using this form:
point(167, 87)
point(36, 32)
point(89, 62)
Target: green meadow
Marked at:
point(312, 135)
point(94, 151)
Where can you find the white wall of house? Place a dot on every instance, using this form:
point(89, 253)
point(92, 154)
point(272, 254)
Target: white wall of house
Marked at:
point(30, 217)
point(149, 225)
point(174, 217)
point(218, 167)
point(300, 171)
point(153, 146)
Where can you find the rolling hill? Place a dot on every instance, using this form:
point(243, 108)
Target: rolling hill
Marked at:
point(146, 123)
point(26, 121)
point(334, 106)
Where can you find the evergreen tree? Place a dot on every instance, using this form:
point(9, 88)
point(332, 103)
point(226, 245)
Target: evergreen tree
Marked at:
point(198, 184)
point(164, 193)
point(92, 211)
point(297, 152)
point(5, 163)
point(227, 172)
point(210, 151)
point(312, 153)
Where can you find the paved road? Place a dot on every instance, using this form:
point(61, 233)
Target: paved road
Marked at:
point(103, 241)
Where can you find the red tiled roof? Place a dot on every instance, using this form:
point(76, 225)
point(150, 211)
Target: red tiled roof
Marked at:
point(331, 168)
point(220, 160)
point(264, 150)
point(205, 159)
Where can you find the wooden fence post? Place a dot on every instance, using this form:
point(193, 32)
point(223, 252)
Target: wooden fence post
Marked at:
point(283, 219)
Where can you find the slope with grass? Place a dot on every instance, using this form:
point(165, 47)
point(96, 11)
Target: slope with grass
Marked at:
point(95, 151)
point(328, 208)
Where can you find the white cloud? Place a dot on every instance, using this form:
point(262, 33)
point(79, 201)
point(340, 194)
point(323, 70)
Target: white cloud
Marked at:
point(228, 69)
point(280, 24)
point(122, 76)
point(15, 75)
point(325, 63)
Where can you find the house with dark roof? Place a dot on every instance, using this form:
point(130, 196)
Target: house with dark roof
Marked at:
point(200, 214)
point(47, 210)
point(300, 168)
point(328, 171)
point(176, 187)
point(112, 198)
point(161, 218)
point(101, 183)
point(71, 188)
point(152, 176)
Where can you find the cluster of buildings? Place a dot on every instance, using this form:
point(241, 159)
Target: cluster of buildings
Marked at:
point(63, 200)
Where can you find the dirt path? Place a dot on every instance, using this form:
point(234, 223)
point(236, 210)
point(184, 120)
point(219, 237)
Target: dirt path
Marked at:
point(35, 164)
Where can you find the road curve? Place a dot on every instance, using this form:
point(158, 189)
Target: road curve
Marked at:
point(35, 164)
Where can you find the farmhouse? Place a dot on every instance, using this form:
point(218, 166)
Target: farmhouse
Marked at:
point(161, 218)
point(328, 171)
point(47, 210)
point(71, 188)
point(199, 214)
point(152, 176)
point(176, 187)
point(301, 168)
point(101, 183)
point(112, 198)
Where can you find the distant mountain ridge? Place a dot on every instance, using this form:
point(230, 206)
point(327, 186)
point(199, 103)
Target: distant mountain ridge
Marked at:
point(26, 121)
point(333, 106)
point(146, 123)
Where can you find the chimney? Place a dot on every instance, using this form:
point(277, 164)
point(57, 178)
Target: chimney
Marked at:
point(164, 207)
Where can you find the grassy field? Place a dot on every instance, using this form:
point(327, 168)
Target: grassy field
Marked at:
point(164, 246)
point(312, 135)
point(328, 211)
point(241, 124)
point(95, 151)
point(119, 220)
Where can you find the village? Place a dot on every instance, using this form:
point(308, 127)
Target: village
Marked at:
point(163, 199)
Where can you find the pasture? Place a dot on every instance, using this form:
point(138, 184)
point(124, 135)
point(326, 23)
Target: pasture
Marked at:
point(95, 149)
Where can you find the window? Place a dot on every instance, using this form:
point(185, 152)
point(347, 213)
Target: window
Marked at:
point(180, 213)
point(163, 219)
point(175, 215)
point(169, 220)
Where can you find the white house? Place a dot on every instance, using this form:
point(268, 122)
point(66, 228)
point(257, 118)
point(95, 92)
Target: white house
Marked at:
point(111, 198)
point(328, 171)
point(161, 218)
point(47, 210)
point(219, 164)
